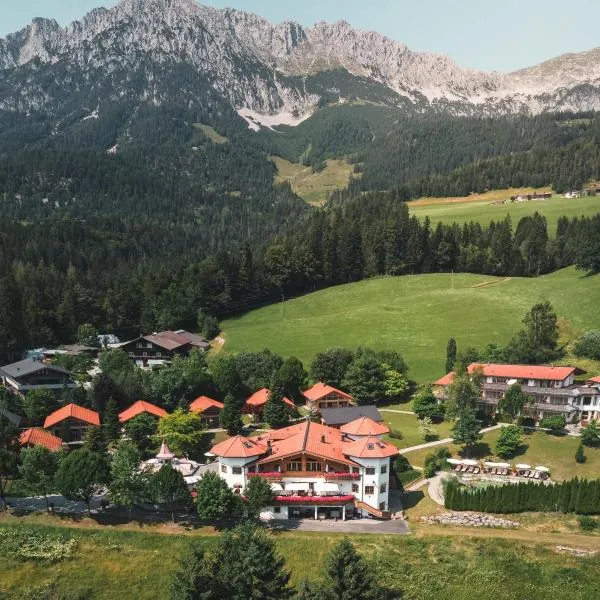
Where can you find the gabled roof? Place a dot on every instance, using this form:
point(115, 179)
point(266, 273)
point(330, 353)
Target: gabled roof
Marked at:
point(40, 437)
point(171, 340)
point(73, 411)
point(594, 380)
point(239, 447)
point(320, 390)
point(543, 372)
point(260, 398)
point(199, 405)
point(347, 414)
point(139, 407)
point(370, 447)
point(29, 366)
point(364, 426)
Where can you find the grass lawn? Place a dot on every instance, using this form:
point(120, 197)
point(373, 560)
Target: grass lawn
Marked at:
point(479, 208)
point(557, 453)
point(415, 315)
point(111, 563)
point(408, 425)
point(313, 187)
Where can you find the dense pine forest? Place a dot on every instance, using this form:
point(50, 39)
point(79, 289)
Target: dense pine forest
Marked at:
point(172, 220)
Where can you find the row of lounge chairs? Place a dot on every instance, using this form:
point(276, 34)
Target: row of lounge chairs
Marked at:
point(498, 471)
point(533, 475)
point(467, 469)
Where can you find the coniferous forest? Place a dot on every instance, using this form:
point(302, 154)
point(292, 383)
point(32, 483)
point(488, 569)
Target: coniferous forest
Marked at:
point(171, 221)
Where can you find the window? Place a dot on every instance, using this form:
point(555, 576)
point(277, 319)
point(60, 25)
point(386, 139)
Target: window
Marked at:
point(370, 471)
point(223, 468)
point(383, 488)
point(382, 506)
point(355, 470)
point(252, 469)
point(130, 353)
point(384, 469)
point(277, 509)
point(145, 354)
point(369, 490)
point(236, 470)
point(313, 466)
point(148, 345)
point(294, 466)
point(139, 345)
point(355, 488)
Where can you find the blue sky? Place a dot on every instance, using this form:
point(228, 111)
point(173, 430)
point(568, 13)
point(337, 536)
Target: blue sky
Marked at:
point(488, 34)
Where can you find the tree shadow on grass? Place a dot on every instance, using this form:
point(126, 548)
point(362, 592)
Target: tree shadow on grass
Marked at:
point(411, 499)
point(479, 450)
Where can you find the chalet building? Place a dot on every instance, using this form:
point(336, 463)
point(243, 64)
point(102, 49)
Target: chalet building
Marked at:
point(139, 408)
point(208, 409)
point(255, 404)
point(32, 374)
point(40, 437)
point(71, 422)
point(322, 395)
point(336, 417)
point(315, 471)
point(160, 348)
point(552, 389)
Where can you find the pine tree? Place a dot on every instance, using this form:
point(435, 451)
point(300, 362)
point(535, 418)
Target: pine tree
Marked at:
point(450, 355)
point(231, 415)
point(111, 424)
point(580, 455)
point(276, 412)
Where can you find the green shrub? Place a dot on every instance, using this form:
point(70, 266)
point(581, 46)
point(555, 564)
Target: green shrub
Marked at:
point(555, 423)
point(588, 345)
point(587, 523)
point(395, 434)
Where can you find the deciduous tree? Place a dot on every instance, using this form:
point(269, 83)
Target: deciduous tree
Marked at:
point(82, 475)
point(183, 431)
point(258, 495)
point(513, 401)
point(128, 481)
point(509, 441)
point(167, 487)
point(467, 429)
point(38, 470)
point(214, 499)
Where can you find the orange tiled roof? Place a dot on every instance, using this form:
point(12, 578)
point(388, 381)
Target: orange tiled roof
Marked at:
point(260, 399)
point(73, 411)
point(594, 380)
point(239, 447)
point(320, 390)
point(305, 437)
point(370, 447)
point(40, 437)
point(141, 406)
point(515, 372)
point(203, 403)
point(364, 426)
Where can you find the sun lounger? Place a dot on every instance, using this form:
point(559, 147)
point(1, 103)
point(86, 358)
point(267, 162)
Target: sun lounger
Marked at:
point(524, 473)
point(537, 475)
point(476, 471)
point(505, 472)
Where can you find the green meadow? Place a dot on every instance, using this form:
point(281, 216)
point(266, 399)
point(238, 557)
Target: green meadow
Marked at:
point(110, 564)
point(415, 315)
point(456, 211)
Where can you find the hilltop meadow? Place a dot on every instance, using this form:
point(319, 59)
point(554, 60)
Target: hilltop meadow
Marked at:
point(415, 315)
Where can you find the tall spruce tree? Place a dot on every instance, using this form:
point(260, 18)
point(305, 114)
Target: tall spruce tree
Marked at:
point(451, 350)
point(231, 415)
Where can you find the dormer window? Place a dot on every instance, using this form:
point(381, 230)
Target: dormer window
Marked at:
point(370, 446)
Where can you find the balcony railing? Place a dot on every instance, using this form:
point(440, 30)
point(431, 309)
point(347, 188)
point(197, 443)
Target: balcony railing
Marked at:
point(327, 475)
point(275, 475)
point(344, 476)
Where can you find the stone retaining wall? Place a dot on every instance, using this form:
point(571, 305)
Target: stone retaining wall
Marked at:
point(469, 519)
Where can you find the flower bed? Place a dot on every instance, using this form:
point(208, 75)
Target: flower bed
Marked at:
point(342, 475)
point(315, 499)
point(269, 475)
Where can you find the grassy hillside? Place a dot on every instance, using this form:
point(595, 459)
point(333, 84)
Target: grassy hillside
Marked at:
point(313, 187)
point(440, 563)
point(478, 208)
point(414, 315)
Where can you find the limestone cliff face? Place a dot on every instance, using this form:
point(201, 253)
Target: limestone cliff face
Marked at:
point(263, 68)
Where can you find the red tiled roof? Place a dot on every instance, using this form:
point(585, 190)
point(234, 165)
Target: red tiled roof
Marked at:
point(370, 447)
point(40, 437)
point(141, 406)
point(320, 390)
point(202, 403)
point(515, 372)
point(364, 426)
point(74, 412)
point(260, 399)
point(594, 380)
point(239, 447)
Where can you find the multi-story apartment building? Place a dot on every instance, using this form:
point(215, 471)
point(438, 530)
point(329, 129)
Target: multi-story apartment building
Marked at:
point(552, 390)
point(315, 471)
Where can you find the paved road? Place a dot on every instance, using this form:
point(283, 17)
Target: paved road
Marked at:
point(444, 441)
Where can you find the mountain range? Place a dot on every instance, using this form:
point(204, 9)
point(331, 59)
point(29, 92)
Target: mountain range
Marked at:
point(270, 74)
